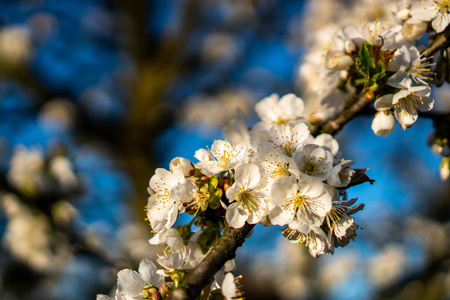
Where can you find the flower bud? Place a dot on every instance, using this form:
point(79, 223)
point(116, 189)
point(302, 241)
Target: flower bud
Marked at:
point(182, 164)
point(148, 291)
point(164, 290)
point(156, 296)
point(444, 168)
point(343, 75)
point(403, 13)
point(383, 123)
point(350, 47)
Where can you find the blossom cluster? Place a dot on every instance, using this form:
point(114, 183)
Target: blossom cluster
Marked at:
point(383, 60)
point(275, 173)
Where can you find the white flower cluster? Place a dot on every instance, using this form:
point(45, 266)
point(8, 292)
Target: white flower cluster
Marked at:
point(153, 283)
point(379, 59)
point(32, 173)
point(275, 173)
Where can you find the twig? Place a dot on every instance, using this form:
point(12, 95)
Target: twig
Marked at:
point(442, 41)
point(334, 125)
point(224, 250)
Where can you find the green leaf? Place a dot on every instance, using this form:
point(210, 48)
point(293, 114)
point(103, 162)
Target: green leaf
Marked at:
point(214, 200)
point(365, 58)
point(213, 182)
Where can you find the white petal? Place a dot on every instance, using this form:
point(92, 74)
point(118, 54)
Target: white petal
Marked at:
point(147, 270)
point(291, 105)
point(383, 124)
point(248, 175)
point(235, 216)
point(281, 217)
point(183, 192)
point(202, 155)
point(267, 108)
point(384, 102)
point(440, 22)
point(282, 189)
point(129, 283)
point(103, 297)
point(425, 104)
point(423, 10)
point(405, 117)
point(229, 287)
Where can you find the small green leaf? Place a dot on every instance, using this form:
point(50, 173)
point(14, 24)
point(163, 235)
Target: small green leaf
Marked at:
point(365, 58)
point(214, 200)
point(213, 182)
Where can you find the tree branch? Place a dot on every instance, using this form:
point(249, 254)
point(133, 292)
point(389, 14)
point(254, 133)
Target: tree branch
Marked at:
point(442, 41)
point(224, 250)
point(333, 125)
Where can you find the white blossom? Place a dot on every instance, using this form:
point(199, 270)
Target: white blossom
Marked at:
point(301, 203)
point(248, 199)
point(273, 111)
point(162, 206)
point(132, 285)
point(223, 156)
point(314, 161)
point(182, 164)
point(179, 259)
point(410, 68)
point(373, 33)
point(341, 174)
point(289, 140)
point(438, 12)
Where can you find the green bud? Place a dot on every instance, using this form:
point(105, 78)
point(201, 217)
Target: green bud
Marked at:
point(213, 182)
point(165, 290)
point(177, 276)
point(148, 291)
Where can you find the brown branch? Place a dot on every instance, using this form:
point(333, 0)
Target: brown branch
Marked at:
point(442, 41)
point(224, 250)
point(333, 125)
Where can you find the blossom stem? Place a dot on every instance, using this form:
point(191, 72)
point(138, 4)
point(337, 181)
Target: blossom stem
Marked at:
point(193, 283)
point(442, 41)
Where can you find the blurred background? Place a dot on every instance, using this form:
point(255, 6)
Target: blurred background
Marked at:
point(94, 95)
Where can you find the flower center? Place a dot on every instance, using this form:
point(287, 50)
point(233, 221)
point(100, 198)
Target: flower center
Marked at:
point(224, 160)
point(299, 201)
point(281, 171)
point(310, 168)
point(201, 200)
point(443, 6)
point(281, 120)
